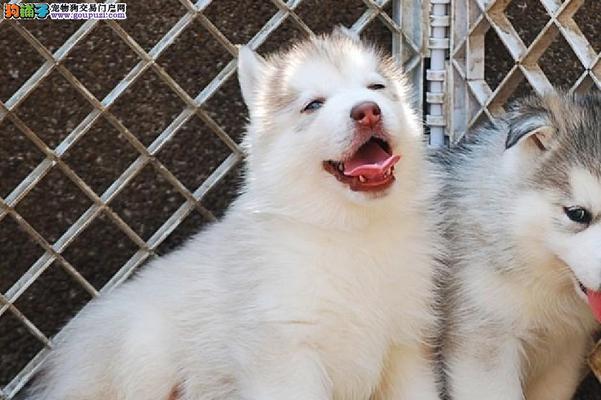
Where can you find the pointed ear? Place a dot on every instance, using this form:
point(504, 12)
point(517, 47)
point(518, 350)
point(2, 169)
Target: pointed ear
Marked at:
point(533, 130)
point(346, 32)
point(251, 68)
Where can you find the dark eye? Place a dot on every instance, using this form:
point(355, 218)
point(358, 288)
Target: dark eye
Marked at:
point(376, 86)
point(313, 105)
point(578, 214)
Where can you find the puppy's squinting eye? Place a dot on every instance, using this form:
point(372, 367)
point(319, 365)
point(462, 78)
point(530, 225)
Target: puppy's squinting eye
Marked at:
point(376, 86)
point(313, 105)
point(578, 214)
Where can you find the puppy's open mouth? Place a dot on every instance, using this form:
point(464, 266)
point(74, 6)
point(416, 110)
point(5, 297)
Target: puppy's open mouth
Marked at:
point(369, 169)
point(592, 297)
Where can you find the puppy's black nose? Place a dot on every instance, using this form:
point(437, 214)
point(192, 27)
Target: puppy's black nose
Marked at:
point(366, 114)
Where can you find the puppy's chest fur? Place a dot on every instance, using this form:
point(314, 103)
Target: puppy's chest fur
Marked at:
point(352, 296)
point(546, 317)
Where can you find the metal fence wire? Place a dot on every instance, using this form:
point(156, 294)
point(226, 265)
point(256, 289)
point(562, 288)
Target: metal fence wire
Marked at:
point(406, 21)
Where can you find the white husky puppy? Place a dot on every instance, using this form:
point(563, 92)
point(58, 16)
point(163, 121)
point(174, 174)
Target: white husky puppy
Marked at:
point(318, 282)
point(524, 223)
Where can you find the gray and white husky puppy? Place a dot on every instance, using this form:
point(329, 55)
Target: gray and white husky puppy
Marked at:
point(523, 202)
point(318, 282)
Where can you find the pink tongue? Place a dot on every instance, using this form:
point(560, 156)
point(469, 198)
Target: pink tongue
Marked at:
point(371, 160)
point(594, 301)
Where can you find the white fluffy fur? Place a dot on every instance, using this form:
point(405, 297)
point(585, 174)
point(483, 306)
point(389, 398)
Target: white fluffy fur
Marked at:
point(305, 290)
point(517, 327)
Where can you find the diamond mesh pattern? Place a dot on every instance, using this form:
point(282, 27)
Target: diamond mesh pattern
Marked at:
point(472, 99)
point(408, 45)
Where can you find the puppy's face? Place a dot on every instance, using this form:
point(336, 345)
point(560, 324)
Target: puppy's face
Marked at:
point(330, 117)
point(556, 145)
point(576, 230)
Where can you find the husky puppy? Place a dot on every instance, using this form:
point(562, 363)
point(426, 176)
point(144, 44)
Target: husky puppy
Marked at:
point(318, 282)
point(524, 229)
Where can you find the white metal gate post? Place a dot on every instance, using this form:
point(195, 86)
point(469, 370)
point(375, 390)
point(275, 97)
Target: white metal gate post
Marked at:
point(436, 74)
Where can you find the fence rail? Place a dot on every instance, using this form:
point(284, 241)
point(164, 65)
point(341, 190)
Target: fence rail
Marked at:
point(472, 99)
